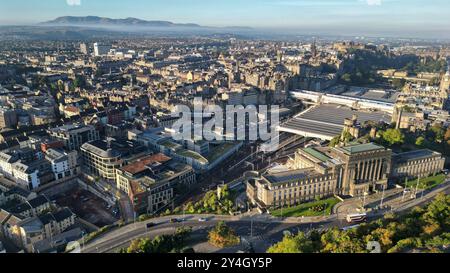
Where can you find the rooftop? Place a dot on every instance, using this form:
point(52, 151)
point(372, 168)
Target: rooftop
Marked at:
point(72, 128)
point(328, 120)
point(192, 154)
point(290, 176)
point(141, 164)
point(100, 148)
point(361, 148)
point(313, 152)
point(415, 155)
point(38, 201)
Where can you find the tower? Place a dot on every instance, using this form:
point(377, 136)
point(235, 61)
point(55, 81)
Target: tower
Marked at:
point(83, 48)
point(314, 49)
point(445, 85)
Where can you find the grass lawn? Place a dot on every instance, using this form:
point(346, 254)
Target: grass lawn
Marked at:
point(306, 209)
point(427, 182)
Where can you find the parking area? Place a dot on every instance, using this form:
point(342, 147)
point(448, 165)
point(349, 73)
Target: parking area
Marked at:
point(89, 207)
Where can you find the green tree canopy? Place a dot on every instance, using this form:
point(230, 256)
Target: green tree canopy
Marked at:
point(393, 136)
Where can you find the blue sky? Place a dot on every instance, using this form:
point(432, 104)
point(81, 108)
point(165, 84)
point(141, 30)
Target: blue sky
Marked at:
point(359, 16)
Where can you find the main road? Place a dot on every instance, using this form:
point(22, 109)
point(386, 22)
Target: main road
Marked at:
point(261, 230)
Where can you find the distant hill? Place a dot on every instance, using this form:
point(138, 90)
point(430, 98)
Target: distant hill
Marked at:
point(103, 21)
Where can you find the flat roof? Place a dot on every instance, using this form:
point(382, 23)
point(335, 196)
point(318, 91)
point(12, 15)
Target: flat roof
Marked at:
point(319, 155)
point(290, 176)
point(360, 148)
point(415, 155)
point(142, 163)
point(328, 119)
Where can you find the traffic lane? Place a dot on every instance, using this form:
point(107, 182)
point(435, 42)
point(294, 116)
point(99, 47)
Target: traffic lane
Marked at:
point(140, 232)
point(242, 232)
point(261, 234)
point(113, 248)
point(243, 227)
point(134, 230)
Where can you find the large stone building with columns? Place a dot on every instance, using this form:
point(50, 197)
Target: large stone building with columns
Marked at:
point(320, 172)
point(418, 163)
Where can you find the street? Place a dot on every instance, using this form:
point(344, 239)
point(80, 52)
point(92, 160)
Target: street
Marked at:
point(261, 230)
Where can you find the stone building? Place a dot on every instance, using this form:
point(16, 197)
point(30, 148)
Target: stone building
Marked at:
point(321, 172)
point(419, 163)
point(150, 181)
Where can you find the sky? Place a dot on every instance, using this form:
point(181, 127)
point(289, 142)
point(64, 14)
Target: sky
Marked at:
point(420, 17)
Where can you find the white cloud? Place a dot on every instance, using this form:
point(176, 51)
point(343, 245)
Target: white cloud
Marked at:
point(374, 2)
point(73, 2)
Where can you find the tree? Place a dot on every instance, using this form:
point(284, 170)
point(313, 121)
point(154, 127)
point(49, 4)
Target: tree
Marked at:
point(438, 132)
point(398, 83)
point(393, 136)
point(210, 203)
point(161, 244)
point(438, 212)
point(294, 244)
point(347, 137)
point(424, 229)
point(335, 141)
point(447, 136)
point(346, 78)
point(420, 141)
point(223, 236)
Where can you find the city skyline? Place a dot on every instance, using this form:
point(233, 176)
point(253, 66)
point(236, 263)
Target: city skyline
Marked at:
point(224, 127)
point(344, 17)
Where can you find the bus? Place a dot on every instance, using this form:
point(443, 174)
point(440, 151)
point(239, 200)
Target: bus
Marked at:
point(356, 218)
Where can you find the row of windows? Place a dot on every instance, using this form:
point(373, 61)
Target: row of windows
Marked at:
point(300, 198)
point(311, 186)
point(420, 161)
point(435, 166)
point(302, 192)
point(305, 182)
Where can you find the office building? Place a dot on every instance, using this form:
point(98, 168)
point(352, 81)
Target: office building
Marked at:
point(8, 118)
point(100, 160)
point(83, 48)
point(101, 50)
point(74, 135)
point(150, 181)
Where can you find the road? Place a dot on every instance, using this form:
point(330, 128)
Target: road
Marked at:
point(261, 230)
point(262, 234)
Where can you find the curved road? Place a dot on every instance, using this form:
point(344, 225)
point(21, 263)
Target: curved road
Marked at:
point(261, 230)
point(256, 229)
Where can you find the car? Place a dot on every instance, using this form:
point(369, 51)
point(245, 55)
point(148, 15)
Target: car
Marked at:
point(174, 220)
point(150, 225)
point(202, 219)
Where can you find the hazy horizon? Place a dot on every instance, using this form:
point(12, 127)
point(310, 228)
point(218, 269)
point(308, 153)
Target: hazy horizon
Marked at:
point(376, 18)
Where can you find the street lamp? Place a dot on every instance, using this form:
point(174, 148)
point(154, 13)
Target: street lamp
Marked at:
point(251, 229)
point(404, 189)
point(382, 197)
point(364, 200)
point(417, 187)
point(82, 239)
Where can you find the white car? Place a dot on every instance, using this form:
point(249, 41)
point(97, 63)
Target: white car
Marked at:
point(202, 219)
